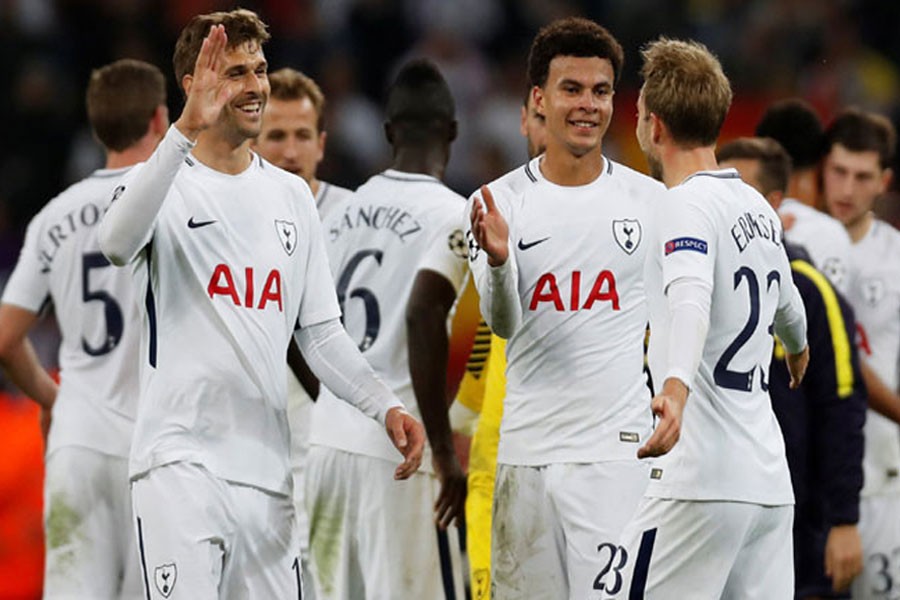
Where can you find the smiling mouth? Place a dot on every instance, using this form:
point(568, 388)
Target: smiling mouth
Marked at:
point(253, 108)
point(583, 124)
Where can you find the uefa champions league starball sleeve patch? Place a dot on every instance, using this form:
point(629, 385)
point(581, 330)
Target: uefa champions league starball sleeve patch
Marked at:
point(686, 243)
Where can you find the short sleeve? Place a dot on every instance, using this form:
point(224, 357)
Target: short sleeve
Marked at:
point(688, 237)
point(319, 299)
point(449, 253)
point(29, 284)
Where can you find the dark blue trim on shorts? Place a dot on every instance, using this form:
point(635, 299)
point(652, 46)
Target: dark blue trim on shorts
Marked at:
point(642, 565)
point(446, 564)
point(143, 558)
point(150, 304)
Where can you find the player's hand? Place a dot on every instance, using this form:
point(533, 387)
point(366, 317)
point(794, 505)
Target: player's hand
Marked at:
point(843, 556)
point(668, 406)
point(796, 364)
point(208, 91)
point(408, 436)
point(490, 228)
point(451, 502)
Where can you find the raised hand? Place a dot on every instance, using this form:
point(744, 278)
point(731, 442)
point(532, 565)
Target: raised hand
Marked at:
point(490, 229)
point(207, 90)
point(408, 436)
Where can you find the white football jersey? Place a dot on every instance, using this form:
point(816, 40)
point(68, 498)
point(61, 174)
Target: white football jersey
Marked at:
point(715, 227)
point(233, 262)
point(329, 196)
point(576, 390)
point(377, 239)
point(824, 237)
point(97, 314)
point(876, 303)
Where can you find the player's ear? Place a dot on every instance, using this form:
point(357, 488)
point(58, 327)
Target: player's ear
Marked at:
point(186, 83)
point(657, 128)
point(452, 131)
point(886, 176)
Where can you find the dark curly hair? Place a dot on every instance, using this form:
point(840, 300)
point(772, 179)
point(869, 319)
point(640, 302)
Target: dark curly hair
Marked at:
point(573, 36)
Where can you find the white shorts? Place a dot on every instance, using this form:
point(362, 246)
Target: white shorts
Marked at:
point(90, 547)
point(299, 412)
point(707, 550)
point(373, 537)
point(555, 527)
point(203, 538)
point(879, 528)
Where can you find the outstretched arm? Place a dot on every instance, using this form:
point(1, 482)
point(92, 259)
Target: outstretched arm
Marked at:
point(337, 362)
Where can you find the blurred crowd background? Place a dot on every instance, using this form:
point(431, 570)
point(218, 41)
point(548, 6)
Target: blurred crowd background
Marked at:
point(833, 53)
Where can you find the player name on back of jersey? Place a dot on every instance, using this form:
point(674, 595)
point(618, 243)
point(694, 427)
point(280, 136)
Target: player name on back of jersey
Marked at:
point(748, 228)
point(87, 215)
point(395, 219)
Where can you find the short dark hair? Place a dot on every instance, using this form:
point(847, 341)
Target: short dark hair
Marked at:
point(121, 99)
point(774, 161)
point(795, 125)
point(289, 84)
point(420, 93)
point(862, 131)
point(572, 36)
point(241, 26)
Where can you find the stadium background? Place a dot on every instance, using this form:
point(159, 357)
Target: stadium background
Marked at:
point(832, 52)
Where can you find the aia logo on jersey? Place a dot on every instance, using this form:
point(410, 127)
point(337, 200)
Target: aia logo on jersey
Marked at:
point(164, 577)
point(287, 234)
point(222, 283)
point(872, 291)
point(627, 233)
point(547, 290)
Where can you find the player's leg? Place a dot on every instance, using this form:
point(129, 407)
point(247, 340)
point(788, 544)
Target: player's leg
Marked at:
point(299, 411)
point(184, 531)
point(879, 529)
point(265, 562)
point(332, 502)
point(764, 566)
point(401, 552)
point(527, 542)
point(682, 549)
point(595, 502)
point(82, 560)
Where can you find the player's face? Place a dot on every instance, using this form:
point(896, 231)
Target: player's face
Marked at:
point(852, 182)
point(645, 141)
point(533, 126)
point(577, 102)
point(246, 64)
point(290, 136)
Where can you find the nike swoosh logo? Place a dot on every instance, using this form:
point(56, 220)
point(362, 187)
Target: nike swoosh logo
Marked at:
point(524, 246)
point(195, 224)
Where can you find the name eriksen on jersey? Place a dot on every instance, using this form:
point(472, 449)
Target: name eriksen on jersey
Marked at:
point(56, 234)
point(749, 227)
point(390, 218)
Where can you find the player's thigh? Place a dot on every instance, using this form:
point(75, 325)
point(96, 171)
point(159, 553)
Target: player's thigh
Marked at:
point(264, 561)
point(594, 502)
point(527, 540)
point(402, 554)
point(184, 531)
point(333, 500)
point(84, 541)
point(681, 549)
point(879, 529)
point(764, 566)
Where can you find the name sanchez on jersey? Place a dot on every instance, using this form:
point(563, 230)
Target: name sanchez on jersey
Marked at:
point(395, 219)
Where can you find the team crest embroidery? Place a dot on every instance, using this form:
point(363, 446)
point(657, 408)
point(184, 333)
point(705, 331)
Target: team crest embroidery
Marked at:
point(164, 577)
point(872, 291)
point(627, 233)
point(287, 233)
point(834, 269)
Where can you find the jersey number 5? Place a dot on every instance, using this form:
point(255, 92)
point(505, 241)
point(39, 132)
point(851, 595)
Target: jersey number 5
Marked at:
point(111, 311)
